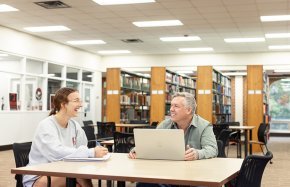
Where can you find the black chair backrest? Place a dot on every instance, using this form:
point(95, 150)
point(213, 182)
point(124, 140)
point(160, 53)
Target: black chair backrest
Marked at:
point(221, 149)
point(263, 132)
point(88, 122)
point(138, 122)
point(21, 156)
point(224, 136)
point(106, 129)
point(154, 123)
point(123, 142)
point(252, 170)
point(217, 128)
point(90, 133)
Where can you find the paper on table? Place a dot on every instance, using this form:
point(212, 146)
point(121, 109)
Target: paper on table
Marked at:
point(106, 157)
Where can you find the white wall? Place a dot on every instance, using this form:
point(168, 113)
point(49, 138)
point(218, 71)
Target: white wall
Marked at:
point(239, 98)
point(17, 126)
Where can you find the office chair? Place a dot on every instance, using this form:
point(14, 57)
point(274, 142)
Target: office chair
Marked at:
point(221, 149)
point(154, 123)
point(90, 133)
point(263, 135)
point(123, 142)
point(106, 130)
point(21, 156)
point(252, 170)
point(224, 137)
point(88, 122)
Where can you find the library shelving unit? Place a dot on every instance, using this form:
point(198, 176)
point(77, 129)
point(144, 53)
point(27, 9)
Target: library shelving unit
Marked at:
point(213, 95)
point(256, 98)
point(266, 114)
point(164, 84)
point(128, 96)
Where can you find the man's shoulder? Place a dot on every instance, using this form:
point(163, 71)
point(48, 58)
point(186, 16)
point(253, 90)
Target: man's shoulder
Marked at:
point(165, 124)
point(201, 121)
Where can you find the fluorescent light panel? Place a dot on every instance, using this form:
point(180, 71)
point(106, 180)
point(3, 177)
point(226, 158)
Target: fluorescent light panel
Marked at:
point(2, 54)
point(86, 42)
point(119, 2)
point(161, 23)
point(282, 70)
point(198, 49)
point(114, 52)
point(7, 8)
point(277, 35)
point(279, 47)
point(243, 40)
point(47, 28)
point(275, 18)
point(181, 38)
point(235, 73)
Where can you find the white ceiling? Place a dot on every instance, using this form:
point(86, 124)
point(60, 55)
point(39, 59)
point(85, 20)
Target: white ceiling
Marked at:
point(211, 20)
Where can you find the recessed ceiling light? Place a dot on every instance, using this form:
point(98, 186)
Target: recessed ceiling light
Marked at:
point(275, 18)
point(86, 42)
point(277, 35)
point(118, 2)
point(114, 52)
point(282, 70)
point(47, 28)
point(181, 38)
point(199, 49)
point(235, 73)
point(7, 8)
point(161, 23)
point(243, 40)
point(277, 47)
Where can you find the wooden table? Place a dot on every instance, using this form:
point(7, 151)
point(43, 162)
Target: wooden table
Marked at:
point(208, 172)
point(126, 127)
point(248, 130)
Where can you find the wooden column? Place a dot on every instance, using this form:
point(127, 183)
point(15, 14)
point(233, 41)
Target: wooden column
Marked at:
point(157, 110)
point(204, 92)
point(255, 99)
point(113, 94)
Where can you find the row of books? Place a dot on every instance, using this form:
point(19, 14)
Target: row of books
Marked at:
point(221, 89)
point(219, 78)
point(135, 98)
point(221, 99)
point(221, 109)
point(180, 80)
point(135, 83)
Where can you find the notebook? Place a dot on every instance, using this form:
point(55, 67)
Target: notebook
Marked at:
point(166, 144)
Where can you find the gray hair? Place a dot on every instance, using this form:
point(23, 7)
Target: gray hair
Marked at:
point(189, 100)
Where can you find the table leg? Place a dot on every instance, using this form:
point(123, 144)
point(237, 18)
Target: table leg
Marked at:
point(251, 140)
point(71, 182)
point(246, 143)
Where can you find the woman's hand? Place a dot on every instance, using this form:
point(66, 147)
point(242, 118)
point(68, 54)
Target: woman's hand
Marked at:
point(100, 151)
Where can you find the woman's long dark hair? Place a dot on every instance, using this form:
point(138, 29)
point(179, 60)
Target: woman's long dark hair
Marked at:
point(60, 98)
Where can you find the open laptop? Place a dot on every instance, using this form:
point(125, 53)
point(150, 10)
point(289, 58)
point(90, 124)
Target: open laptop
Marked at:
point(166, 144)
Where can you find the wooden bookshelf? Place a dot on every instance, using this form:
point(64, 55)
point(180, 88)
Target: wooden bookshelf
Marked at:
point(128, 96)
point(164, 84)
point(213, 95)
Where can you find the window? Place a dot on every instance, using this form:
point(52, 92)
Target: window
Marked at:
point(280, 105)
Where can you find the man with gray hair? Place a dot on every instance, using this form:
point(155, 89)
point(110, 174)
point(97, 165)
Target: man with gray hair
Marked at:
point(200, 141)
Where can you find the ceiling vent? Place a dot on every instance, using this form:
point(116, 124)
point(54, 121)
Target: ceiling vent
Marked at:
point(132, 40)
point(52, 4)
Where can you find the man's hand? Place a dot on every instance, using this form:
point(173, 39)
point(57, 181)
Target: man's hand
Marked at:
point(190, 153)
point(132, 154)
point(100, 151)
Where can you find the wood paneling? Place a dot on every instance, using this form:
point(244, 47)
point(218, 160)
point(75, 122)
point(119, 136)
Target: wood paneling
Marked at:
point(204, 101)
point(254, 100)
point(113, 100)
point(157, 110)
